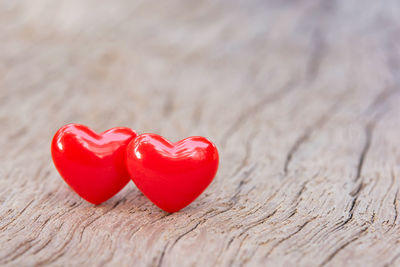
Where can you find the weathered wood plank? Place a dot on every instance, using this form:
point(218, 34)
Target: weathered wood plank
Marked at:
point(301, 97)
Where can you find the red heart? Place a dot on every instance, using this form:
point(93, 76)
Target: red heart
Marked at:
point(171, 175)
point(92, 164)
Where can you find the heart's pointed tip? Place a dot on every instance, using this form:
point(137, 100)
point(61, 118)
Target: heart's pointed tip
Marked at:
point(94, 202)
point(171, 210)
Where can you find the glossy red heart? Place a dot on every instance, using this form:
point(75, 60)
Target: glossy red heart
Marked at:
point(171, 175)
point(92, 164)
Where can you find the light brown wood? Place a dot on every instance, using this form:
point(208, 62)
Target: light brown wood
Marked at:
point(301, 98)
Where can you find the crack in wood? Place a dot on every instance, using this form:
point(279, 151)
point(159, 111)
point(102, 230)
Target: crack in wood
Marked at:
point(258, 222)
point(368, 137)
point(395, 207)
point(393, 260)
point(27, 243)
point(275, 96)
point(16, 217)
point(339, 249)
point(246, 175)
point(369, 129)
point(316, 56)
point(231, 263)
point(305, 136)
point(162, 255)
point(175, 242)
point(247, 154)
point(182, 235)
point(287, 237)
point(98, 217)
point(42, 247)
point(61, 251)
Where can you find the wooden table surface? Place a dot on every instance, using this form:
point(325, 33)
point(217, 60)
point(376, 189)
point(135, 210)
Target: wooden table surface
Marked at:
point(301, 98)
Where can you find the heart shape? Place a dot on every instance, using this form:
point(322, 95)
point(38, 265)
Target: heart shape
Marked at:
point(92, 164)
point(171, 175)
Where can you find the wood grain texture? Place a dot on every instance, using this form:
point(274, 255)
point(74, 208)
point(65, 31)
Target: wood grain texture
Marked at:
point(301, 97)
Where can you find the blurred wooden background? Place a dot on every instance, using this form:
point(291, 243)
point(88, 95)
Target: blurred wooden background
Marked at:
point(301, 97)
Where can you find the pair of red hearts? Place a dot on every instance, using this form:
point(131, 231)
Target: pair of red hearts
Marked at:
point(98, 166)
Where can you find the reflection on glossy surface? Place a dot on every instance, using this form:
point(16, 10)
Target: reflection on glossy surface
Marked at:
point(92, 164)
point(171, 175)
